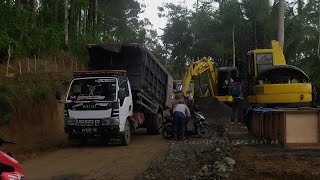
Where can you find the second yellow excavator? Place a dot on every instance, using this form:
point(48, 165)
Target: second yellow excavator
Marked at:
point(272, 81)
point(219, 79)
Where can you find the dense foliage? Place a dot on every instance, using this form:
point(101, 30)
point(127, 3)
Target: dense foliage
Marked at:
point(190, 35)
point(38, 27)
point(46, 27)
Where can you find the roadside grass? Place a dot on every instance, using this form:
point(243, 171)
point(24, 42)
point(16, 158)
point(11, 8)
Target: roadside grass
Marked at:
point(36, 92)
point(12, 94)
point(6, 98)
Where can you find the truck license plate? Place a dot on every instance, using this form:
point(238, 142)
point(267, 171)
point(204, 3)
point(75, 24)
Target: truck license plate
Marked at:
point(89, 122)
point(89, 130)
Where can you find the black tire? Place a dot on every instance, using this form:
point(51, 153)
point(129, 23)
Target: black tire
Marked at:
point(76, 141)
point(153, 127)
point(167, 131)
point(204, 131)
point(125, 136)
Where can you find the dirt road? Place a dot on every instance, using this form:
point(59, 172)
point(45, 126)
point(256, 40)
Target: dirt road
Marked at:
point(258, 160)
point(97, 162)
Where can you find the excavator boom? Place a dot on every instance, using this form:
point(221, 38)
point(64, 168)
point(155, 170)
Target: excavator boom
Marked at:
point(197, 68)
point(215, 76)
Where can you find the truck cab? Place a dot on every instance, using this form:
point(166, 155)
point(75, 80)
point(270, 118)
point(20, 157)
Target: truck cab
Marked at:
point(99, 104)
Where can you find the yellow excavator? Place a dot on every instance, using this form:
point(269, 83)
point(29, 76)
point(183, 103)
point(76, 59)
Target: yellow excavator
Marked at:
point(272, 81)
point(219, 79)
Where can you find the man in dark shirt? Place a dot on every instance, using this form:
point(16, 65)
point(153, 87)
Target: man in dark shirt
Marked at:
point(237, 92)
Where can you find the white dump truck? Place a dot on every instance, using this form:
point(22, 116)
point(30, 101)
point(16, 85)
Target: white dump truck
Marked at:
point(126, 88)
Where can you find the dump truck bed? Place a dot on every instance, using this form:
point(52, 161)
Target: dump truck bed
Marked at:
point(146, 74)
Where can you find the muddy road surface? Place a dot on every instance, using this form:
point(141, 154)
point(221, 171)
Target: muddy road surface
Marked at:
point(97, 162)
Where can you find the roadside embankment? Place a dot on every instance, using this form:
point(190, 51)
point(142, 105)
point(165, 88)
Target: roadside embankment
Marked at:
point(30, 115)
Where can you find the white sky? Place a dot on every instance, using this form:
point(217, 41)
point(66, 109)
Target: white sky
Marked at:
point(151, 11)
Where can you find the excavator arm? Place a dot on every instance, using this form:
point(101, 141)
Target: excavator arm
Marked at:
point(197, 68)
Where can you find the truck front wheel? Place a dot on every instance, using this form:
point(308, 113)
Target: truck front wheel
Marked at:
point(126, 134)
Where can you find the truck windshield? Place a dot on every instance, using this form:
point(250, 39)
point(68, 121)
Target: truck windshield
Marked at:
point(103, 89)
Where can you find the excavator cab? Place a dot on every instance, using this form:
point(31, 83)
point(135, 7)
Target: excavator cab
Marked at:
point(218, 79)
point(271, 81)
point(225, 76)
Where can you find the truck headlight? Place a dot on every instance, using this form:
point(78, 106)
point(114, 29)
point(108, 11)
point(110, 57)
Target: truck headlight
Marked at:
point(71, 121)
point(110, 121)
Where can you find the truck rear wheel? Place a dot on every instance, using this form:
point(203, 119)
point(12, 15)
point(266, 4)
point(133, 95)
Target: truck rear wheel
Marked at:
point(155, 124)
point(126, 134)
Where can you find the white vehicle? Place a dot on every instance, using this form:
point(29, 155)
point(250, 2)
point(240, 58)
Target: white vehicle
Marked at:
point(110, 103)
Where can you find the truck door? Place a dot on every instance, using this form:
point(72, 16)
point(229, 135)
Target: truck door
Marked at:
point(126, 105)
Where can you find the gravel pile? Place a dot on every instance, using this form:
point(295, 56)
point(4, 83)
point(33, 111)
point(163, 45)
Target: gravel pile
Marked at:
point(195, 158)
point(214, 110)
point(198, 158)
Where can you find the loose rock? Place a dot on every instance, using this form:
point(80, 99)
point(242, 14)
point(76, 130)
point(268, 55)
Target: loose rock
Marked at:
point(230, 161)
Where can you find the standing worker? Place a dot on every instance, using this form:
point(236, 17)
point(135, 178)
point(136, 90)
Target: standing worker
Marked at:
point(237, 92)
point(180, 114)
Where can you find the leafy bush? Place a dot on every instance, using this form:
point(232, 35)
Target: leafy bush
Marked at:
point(6, 98)
point(36, 92)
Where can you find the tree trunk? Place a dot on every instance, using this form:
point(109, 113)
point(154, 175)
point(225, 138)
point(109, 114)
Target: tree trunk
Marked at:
point(196, 24)
point(77, 26)
point(319, 30)
point(18, 5)
point(281, 23)
point(32, 4)
point(96, 19)
point(8, 62)
point(66, 23)
point(233, 48)
point(85, 21)
point(56, 10)
point(300, 5)
point(90, 16)
point(72, 26)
